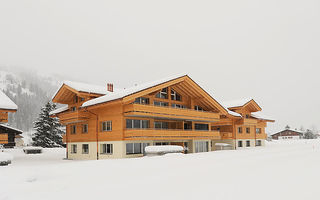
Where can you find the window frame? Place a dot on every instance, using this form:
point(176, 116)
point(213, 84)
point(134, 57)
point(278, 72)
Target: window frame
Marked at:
point(174, 95)
point(83, 149)
point(161, 103)
point(248, 143)
point(73, 149)
point(162, 94)
point(240, 129)
point(104, 149)
point(260, 130)
point(141, 123)
point(240, 143)
point(85, 130)
point(108, 126)
point(248, 130)
point(73, 129)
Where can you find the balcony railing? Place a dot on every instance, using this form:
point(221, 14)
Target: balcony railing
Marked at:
point(169, 112)
point(163, 134)
point(249, 121)
point(73, 117)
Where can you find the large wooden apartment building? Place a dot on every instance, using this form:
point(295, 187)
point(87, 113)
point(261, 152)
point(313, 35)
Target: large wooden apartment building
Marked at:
point(104, 122)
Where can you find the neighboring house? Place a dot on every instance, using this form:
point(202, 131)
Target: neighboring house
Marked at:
point(244, 126)
point(7, 133)
point(287, 135)
point(103, 122)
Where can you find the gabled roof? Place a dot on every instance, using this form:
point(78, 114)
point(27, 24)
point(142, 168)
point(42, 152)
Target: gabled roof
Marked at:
point(59, 110)
point(152, 86)
point(6, 103)
point(241, 103)
point(300, 133)
point(10, 129)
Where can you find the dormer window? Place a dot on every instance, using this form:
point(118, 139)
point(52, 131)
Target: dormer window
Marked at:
point(175, 96)
point(163, 94)
point(142, 100)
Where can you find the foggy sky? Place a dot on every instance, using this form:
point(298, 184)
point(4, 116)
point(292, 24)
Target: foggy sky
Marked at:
point(267, 50)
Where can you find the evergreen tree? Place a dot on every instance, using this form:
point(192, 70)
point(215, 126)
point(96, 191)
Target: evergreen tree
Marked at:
point(309, 135)
point(48, 130)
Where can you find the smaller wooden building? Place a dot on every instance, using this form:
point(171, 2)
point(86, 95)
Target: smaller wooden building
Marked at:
point(287, 135)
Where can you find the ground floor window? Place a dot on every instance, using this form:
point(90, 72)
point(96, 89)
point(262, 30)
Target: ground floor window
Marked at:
point(201, 146)
point(73, 148)
point(85, 148)
point(258, 143)
point(161, 143)
point(136, 148)
point(248, 143)
point(106, 148)
point(239, 143)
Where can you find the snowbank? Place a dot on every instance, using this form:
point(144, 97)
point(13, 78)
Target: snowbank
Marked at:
point(163, 149)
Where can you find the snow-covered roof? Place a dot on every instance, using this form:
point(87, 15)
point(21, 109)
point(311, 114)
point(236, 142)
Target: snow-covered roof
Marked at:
point(128, 91)
point(261, 116)
point(6, 103)
point(236, 103)
point(9, 127)
point(59, 110)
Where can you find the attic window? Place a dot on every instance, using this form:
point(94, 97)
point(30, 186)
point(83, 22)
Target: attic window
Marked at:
point(142, 100)
point(175, 96)
point(199, 108)
point(163, 94)
point(247, 116)
point(73, 109)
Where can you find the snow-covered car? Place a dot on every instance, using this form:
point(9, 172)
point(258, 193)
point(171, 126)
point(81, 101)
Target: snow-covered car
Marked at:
point(164, 149)
point(5, 159)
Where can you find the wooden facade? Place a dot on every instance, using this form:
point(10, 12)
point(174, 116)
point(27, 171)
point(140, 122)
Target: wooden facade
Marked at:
point(176, 111)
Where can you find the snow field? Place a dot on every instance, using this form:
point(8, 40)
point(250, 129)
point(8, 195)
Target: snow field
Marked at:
point(281, 170)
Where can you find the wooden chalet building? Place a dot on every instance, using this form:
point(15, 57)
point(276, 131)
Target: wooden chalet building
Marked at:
point(287, 134)
point(7, 133)
point(103, 122)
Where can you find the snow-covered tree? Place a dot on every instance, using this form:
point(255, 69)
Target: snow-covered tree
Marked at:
point(48, 130)
point(309, 135)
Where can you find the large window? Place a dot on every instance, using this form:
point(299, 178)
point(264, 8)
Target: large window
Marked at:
point(201, 146)
point(175, 96)
point(136, 148)
point(106, 148)
point(137, 123)
point(84, 128)
point(239, 143)
point(142, 100)
point(248, 143)
point(73, 129)
point(73, 148)
point(177, 106)
point(161, 125)
point(258, 130)
point(203, 127)
point(160, 103)
point(85, 148)
point(106, 126)
point(163, 94)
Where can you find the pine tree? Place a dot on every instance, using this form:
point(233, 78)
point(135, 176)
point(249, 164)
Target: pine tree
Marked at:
point(48, 130)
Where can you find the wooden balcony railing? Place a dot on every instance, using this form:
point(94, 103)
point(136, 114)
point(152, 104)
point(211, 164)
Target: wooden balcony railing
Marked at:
point(73, 117)
point(169, 134)
point(3, 138)
point(169, 112)
point(249, 121)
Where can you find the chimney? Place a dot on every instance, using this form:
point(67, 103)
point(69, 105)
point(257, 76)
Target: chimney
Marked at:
point(110, 87)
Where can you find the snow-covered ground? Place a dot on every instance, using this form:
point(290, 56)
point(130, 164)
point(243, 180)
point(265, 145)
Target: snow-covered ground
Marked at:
point(281, 170)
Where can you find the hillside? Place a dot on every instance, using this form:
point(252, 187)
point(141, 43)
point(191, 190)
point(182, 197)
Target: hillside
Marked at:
point(29, 91)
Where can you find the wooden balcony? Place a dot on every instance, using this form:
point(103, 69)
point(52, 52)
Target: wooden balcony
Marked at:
point(3, 138)
point(249, 121)
point(169, 112)
point(226, 135)
point(169, 134)
point(73, 117)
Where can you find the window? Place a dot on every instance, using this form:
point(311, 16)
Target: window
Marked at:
point(82, 99)
point(107, 126)
point(73, 148)
point(258, 143)
point(175, 96)
point(247, 130)
point(199, 108)
point(106, 148)
point(239, 129)
point(136, 148)
point(177, 106)
point(201, 146)
point(85, 148)
point(84, 128)
point(75, 99)
point(258, 130)
point(247, 116)
point(239, 143)
point(163, 94)
point(161, 125)
point(160, 103)
point(204, 127)
point(73, 129)
point(161, 143)
point(73, 109)
point(137, 123)
point(248, 143)
point(142, 100)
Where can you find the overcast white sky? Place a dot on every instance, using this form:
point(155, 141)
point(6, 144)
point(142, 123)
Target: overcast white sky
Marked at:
point(267, 50)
